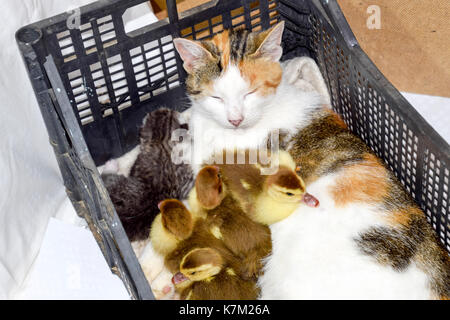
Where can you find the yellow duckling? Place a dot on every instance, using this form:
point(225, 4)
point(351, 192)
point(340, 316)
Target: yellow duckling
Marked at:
point(173, 224)
point(267, 198)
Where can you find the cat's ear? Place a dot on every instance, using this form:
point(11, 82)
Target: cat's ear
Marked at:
point(271, 43)
point(192, 53)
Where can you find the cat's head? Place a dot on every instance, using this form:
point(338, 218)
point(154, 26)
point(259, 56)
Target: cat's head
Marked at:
point(233, 77)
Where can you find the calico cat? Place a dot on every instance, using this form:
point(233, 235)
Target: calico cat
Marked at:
point(153, 177)
point(368, 239)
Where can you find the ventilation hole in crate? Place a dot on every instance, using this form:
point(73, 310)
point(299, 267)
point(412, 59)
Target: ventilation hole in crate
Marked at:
point(118, 81)
point(65, 43)
point(137, 17)
point(360, 113)
point(153, 62)
point(100, 83)
point(374, 121)
point(87, 36)
point(79, 97)
point(202, 30)
point(361, 107)
point(400, 145)
point(435, 195)
point(346, 105)
point(273, 12)
point(337, 73)
point(255, 16)
point(237, 17)
point(187, 33)
point(342, 66)
point(87, 120)
point(217, 25)
point(106, 30)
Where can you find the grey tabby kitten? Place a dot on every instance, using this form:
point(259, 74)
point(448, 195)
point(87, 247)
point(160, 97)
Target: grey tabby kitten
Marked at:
point(153, 177)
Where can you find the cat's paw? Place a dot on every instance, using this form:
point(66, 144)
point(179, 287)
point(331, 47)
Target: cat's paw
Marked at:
point(139, 247)
point(162, 286)
point(152, 263)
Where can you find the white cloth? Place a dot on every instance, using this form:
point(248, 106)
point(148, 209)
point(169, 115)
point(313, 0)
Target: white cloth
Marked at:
point(435, 110)
point(70, 265)
point(31, 187)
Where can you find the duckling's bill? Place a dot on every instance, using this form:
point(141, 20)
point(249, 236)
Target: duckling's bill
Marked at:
point(178, 278)
point(310, 200)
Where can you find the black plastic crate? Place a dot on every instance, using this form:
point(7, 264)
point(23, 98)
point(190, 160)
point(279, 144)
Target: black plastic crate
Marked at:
point(95, 84)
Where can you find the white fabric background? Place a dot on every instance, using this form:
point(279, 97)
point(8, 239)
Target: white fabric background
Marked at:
point(31, 189)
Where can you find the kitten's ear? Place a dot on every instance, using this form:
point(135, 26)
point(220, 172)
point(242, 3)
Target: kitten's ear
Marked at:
point(271, 43)
point(192, 53)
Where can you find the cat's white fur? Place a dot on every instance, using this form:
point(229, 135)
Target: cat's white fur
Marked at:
point(314, 256)
point(121, 165)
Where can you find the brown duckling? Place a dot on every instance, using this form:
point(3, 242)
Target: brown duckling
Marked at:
point(172, 225)
point(248, 240)
point(206, 274)
point(201, 262)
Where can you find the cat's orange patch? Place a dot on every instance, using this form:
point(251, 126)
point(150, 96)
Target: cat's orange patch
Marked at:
point(263, 75)
point(403, 216)
point(365, 181)
point(335, 118)
point(222, 42)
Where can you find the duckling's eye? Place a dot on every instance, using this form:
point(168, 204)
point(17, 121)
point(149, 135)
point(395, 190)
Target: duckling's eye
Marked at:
point(289, 194)
point(194, 272)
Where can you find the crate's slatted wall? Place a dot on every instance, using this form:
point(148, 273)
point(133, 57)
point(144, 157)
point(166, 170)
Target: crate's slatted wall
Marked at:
point(254, 15)
point(297, 29)
point(435, 194)
point(367, 113)
point(112, 76)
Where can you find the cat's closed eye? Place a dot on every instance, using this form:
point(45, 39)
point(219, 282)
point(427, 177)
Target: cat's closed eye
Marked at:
point(217, 98)
point(251, 92)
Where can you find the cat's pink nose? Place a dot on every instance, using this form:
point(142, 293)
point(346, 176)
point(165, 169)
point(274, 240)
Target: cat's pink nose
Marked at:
point(235, 123)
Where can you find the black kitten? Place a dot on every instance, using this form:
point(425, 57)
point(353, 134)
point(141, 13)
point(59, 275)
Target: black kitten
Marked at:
point(153, 177)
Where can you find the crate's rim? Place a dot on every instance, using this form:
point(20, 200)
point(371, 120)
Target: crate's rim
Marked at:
point(84, 10)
